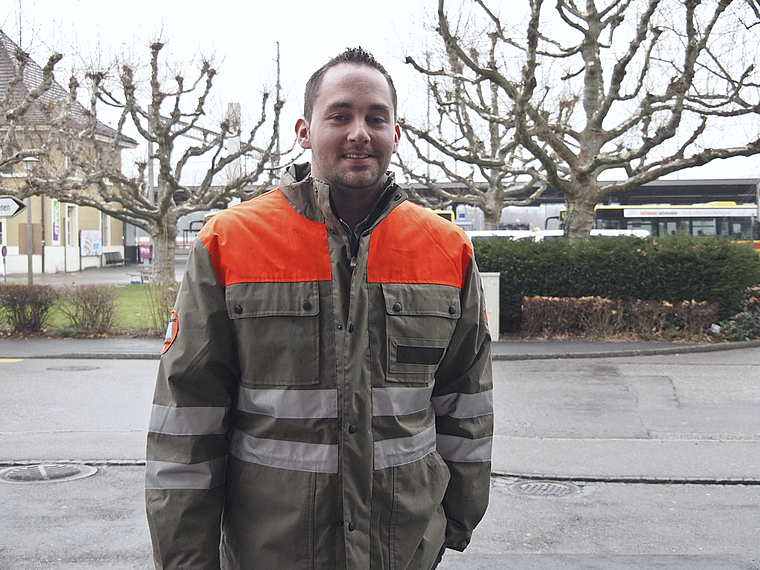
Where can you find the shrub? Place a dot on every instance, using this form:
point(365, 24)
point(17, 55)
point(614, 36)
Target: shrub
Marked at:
point(602, 318)
point(672, 269)
point(160, 303)
point(752, 300)
point(89, 308)
point(649, 319)
point(27, 307)
point(744, 325)
point(718, 270)
point(550, 314)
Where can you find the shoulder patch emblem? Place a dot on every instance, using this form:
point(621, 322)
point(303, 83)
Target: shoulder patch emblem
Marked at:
point(171, 332)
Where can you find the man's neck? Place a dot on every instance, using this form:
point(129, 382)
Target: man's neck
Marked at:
point(353, 208)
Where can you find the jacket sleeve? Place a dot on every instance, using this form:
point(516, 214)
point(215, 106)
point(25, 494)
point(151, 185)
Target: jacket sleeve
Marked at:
point(187, 437)
point(463, 402)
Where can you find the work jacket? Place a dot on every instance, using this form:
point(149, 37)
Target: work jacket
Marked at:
point(318, 408)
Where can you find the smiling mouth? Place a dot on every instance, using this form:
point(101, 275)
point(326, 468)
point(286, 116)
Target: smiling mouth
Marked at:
point(357, 156)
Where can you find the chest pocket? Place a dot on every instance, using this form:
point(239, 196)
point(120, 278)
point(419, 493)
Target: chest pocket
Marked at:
point(420, 320)
point(277, 328)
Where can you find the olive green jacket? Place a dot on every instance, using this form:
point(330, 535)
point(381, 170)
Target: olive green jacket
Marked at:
point(316, 409)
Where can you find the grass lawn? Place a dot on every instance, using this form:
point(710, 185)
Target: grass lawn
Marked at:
point(133, 313)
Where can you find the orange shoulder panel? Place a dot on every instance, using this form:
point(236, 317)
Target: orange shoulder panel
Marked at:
point(266, 240)
point(413, 245)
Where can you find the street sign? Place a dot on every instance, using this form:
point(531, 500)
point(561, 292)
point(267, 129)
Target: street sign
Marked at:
point(10, 206)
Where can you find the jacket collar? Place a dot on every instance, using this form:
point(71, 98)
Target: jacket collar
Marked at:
point(311, 197)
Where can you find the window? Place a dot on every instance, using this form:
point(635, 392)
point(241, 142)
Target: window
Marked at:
point(647, 225)
point(741, 229)
point(7, 154)
point(672, 227)
point(703, 227)
point(105, 229)
point(71, 226)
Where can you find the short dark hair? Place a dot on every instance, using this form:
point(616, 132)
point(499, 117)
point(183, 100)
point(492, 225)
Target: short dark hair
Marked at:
point(356, 56)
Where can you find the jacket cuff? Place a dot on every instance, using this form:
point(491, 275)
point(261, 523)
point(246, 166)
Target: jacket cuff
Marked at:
point(456, 537)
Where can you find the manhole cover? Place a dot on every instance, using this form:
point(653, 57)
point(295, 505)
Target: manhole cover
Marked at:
point(544, 488)
point(72, 368)
point(46, 473)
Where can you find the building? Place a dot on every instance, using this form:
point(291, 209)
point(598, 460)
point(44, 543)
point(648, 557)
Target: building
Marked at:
point(65, 237)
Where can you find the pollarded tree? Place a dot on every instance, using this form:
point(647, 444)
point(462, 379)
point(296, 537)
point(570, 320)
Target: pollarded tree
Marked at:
point(474, 130)
point(167, 117)
point(611, 95)
point(23, 85)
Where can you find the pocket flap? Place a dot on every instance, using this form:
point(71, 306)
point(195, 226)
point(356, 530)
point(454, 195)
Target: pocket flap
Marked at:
point(245, 300)
point(422, 299)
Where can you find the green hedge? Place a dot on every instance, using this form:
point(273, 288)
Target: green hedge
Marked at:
point(674, 269)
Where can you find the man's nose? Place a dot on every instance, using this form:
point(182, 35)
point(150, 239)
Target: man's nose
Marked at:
point(358, 131)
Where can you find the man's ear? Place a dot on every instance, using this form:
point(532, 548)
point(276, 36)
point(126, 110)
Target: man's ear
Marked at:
point(302, 133)
point(396, 137)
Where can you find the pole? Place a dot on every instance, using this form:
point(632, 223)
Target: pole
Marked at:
point(29, 164)
point(29, 243)
point(63, 239)
point(757, 214)
point(42, 224)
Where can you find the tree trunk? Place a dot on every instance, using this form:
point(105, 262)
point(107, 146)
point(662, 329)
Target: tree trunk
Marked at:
point(580, 217)
point(493, 204)
point(491, 218)
point(164, 236)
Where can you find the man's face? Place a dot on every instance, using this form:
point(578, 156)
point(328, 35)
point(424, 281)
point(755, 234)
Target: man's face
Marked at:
point(353, 130)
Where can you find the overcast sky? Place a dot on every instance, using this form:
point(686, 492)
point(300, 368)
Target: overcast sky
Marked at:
point(242, 37)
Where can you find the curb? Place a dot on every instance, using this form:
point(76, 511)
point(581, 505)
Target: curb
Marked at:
point(94, 356)
point(643, 480)
point(676, 349)
point(89, 462)
point(615, 353)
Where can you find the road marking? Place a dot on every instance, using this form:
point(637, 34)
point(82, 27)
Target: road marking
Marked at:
point(11, 359)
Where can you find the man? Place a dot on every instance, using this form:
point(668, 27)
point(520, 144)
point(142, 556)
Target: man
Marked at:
point(324, 396)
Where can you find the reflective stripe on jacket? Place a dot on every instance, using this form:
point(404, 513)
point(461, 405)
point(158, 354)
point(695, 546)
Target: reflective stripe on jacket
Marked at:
point(317, 410)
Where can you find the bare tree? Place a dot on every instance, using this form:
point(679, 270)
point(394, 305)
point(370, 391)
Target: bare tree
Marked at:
point(626, 89)
point(25, 86)
point(168, 119)
point(474, 131)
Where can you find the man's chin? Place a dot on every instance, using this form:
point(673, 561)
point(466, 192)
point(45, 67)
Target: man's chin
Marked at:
point(361, 183)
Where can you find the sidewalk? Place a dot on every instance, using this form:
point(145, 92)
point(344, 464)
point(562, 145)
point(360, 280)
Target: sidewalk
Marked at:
point(121, 275)
point(126, 348)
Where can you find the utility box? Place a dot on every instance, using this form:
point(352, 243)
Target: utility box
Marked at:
point(491, 291)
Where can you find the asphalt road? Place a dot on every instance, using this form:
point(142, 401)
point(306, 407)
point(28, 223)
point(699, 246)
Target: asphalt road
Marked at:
point(603, 463)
